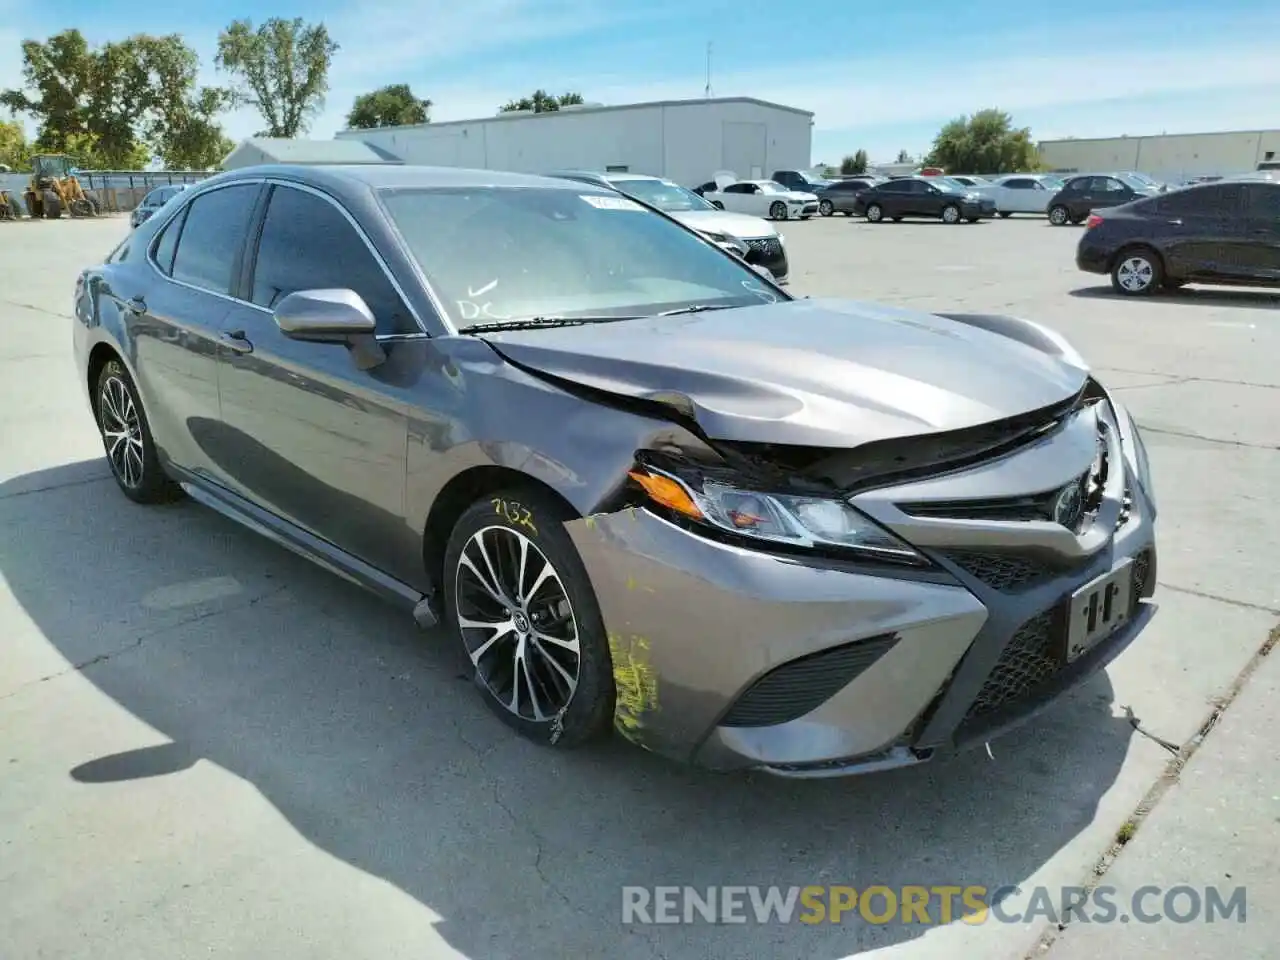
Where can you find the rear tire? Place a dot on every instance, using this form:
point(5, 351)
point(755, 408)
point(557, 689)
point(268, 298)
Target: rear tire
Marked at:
point(1137, 272)
point(126, 438)
point(826, 208)
point(1005, 214)
point(950, 213)
point(52, 205)
point(875, 213)
point(1059, 216)
point(544, 615)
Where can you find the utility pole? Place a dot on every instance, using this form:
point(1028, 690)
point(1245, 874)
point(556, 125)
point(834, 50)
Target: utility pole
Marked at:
point(707, 91)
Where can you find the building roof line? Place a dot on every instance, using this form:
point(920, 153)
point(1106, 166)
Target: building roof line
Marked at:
point(577, 111)
point(1162, 136)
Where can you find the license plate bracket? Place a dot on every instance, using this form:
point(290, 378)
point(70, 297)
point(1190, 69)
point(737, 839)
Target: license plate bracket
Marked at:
point(1097, 610)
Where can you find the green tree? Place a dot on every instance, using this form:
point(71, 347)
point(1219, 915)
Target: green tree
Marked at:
point(281, 69)
point(986, 142)
point(14, 150)
point(541, 102)
point(854, 163)
point(391, 106)
point(192, 139)
point(111, 107)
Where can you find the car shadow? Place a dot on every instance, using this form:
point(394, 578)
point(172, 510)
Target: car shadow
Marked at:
point(1191, 296)
point(358, 728)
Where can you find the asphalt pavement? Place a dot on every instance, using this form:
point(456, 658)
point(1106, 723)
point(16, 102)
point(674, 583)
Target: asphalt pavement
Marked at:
point(211, 748)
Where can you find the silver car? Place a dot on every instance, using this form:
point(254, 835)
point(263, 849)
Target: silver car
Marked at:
point(639, 486)
point(753, 238)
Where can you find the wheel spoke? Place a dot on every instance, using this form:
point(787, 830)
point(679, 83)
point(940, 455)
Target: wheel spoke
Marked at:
point(564, 681)
point(547, 573)
point(498, 631)
point(570, 645)
point(522, 665)
point(483, 579)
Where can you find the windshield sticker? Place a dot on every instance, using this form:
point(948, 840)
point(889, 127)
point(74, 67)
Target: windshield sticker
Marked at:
point(611, 203)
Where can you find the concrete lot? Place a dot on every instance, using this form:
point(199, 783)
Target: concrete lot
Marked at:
point(211, 748)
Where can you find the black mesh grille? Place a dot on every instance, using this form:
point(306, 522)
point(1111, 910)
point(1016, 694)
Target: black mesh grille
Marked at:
point(799, 686)
point(1001, 571)
point(1028, 661)
point(1141, 575)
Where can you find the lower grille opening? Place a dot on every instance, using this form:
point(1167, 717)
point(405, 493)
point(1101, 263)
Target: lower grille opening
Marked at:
point(1028, 661)
point(795, 688)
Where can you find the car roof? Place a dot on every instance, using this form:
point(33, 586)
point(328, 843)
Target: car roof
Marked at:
point(390, 176)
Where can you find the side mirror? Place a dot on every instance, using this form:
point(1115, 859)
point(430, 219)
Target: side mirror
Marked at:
point(332, 316)
point(324, 316)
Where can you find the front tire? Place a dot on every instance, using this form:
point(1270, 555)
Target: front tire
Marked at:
point(875, 213)
point(1006, 214)
point(778, 211)
point(826, 208)
point(950, 213)
point(1137, 273)
point(1059, 216)
point(518, 598)
point(126, 438)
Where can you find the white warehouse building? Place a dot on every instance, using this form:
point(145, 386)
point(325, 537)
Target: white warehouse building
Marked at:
point(687, 141)
point(1168, 156)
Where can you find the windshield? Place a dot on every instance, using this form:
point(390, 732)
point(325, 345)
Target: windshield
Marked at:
point(561, 253)
point(946, 182)
point(1053, 182)
point(666, 196)
point(1141, 178)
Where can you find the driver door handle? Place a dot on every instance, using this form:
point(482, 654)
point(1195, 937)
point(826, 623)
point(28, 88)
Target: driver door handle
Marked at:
point(236, 342)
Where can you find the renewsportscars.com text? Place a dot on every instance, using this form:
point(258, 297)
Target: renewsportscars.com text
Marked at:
point(931, 905)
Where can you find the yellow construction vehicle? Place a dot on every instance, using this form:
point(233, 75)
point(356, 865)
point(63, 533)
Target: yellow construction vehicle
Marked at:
point(9, 208)
point(54, 188)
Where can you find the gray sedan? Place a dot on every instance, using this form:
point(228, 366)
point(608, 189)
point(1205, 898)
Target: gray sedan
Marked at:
point(639, 485)
point(838, 197)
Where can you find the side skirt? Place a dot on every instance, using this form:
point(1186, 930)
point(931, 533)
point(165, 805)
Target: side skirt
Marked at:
point(319, 551)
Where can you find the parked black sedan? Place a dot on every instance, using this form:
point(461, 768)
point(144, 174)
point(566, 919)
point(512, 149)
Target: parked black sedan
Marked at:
point(921, 197)
point(1081, 195)
point(1226, 232)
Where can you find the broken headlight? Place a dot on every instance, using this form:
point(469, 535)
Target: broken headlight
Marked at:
point(785, 519)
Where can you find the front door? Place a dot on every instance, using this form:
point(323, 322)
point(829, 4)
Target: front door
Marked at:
point(306, 433)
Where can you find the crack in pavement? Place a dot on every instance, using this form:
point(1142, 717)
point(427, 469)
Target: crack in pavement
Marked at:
point(1146, 428)
point(55, 486)
point(1170, 776)
point(1175, 379)
point(142, 638)
point(1247, 605)
point(31, 306)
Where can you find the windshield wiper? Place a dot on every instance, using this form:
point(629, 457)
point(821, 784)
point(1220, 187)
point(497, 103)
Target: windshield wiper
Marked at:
point(694, 308)
point(534, 323)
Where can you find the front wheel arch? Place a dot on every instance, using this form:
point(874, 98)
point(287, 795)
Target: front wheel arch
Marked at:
point(453, 500)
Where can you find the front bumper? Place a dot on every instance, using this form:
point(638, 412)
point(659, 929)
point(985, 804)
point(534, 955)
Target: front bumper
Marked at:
point(732, 658)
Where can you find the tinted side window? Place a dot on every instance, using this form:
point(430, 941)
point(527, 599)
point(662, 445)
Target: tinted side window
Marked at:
point(307, 244)
point(212, 236)
point(1077, 186)
point(1264, 200)
point(1187, 203)
point(738, 188)
point(167, 243)
point(1019, 183)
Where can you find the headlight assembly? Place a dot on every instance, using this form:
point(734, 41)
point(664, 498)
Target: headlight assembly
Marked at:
point(784, 519)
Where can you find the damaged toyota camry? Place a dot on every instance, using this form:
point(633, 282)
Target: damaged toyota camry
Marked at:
point(639, 486)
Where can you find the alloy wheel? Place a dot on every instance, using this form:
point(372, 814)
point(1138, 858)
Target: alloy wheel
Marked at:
point(950, 214)
point(1058, 216)
point(778, 211)
point(1135, 274)
point(826, 208)
point(517, 623)
point(874, 213)
point(121, 431)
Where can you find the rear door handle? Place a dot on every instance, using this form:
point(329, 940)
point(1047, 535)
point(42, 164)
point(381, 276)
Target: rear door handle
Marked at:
point(236, 342)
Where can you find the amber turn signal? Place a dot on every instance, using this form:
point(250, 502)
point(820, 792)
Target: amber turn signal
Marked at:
point(668, 493)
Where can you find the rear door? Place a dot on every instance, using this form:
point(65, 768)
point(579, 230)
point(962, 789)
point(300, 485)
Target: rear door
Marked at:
point(176, 319)
point(1260, 246)
point(1016, 192)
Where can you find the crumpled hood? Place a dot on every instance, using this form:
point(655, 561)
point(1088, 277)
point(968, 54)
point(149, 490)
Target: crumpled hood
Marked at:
point(830, 373)
point(721, 221)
